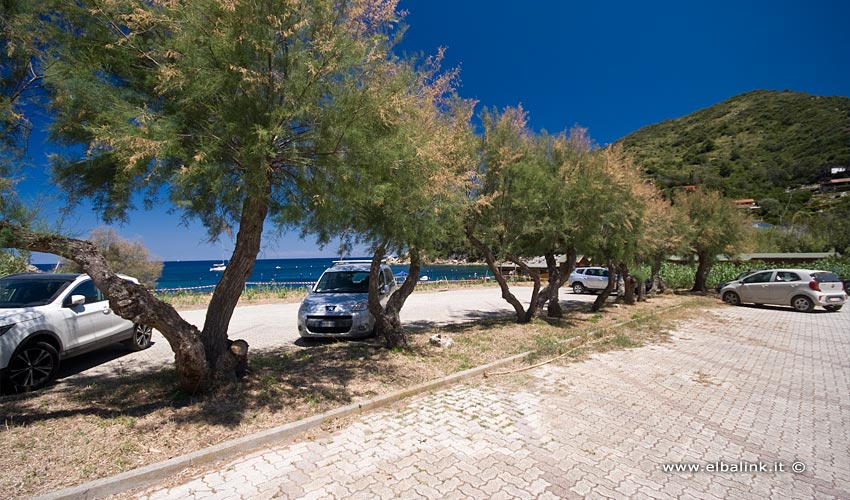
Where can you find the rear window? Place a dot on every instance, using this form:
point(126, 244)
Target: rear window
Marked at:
point(826, 277)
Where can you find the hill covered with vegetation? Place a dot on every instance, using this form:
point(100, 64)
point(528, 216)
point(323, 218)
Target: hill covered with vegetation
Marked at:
point(754, 145)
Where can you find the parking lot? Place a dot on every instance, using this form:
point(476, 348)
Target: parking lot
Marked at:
point(744, 402)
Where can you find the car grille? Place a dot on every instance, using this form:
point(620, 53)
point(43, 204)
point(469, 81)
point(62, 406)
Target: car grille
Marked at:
point(329, 324)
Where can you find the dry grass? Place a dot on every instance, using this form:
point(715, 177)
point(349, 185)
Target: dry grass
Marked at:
point(70, 434)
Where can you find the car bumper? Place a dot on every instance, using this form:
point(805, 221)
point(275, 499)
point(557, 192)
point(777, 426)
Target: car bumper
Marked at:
point(348, 326)
point(830, 299)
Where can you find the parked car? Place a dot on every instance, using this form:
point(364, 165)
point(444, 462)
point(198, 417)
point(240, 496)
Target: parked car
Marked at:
point(740, 276)
point(337, 306)
point(588, 279)
point(593, 279)
point(45, 318)
point(802, 289)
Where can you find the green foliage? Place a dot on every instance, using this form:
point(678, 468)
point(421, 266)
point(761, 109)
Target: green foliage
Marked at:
point(11, 263)
point(681, 276)
point(748, 145)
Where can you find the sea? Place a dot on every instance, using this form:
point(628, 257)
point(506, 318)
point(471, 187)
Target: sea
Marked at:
point(187, 275)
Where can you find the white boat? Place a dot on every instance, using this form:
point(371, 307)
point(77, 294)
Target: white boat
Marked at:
point(218, 267)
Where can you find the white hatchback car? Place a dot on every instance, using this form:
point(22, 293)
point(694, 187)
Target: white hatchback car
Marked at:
point(802, 289)
point(45, 318)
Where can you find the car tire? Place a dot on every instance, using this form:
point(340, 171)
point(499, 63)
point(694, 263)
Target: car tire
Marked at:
point(802, 303)
point(33, 366)
point(141, 338)
point(732, 298)
point(578, 288)
point(832, 309)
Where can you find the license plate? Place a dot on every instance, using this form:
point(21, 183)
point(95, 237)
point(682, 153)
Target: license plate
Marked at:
point(327, 324)
point(835, 299)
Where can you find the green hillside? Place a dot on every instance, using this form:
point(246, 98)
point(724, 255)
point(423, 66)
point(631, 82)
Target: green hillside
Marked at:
point(750, 146)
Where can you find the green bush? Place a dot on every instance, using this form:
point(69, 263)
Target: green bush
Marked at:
point(680, 276)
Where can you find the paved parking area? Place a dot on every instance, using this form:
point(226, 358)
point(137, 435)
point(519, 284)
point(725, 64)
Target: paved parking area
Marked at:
point(746, 403)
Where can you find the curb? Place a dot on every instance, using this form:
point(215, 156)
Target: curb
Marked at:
point(159, 471)
point(162, 470)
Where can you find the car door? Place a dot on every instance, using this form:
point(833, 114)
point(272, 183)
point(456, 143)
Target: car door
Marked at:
point(784, 286)
point(93, 320)
point(754, 288)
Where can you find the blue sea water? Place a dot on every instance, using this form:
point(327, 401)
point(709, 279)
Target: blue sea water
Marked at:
point(287, 272)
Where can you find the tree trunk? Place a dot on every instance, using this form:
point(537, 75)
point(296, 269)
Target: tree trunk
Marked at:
point(558, 276)
point(497, 275)
point(535, 276)
point(657, 283)
point(604, 294)
point(229, 289)
point(628, 285)
point(387, 319)
point(704, 266)
point(128, 300)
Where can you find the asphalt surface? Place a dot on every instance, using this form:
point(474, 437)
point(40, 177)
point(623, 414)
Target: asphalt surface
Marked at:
point(274, 326)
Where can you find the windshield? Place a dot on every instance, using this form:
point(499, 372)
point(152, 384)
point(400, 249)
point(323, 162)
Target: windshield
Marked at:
point(29, 293)
point(343, 282)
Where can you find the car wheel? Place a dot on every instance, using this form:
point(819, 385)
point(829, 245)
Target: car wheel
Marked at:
point(832, 309)
point(141, 338)
point(802, 303)
point(578, 288)
point(732, 298)
point(33, 366)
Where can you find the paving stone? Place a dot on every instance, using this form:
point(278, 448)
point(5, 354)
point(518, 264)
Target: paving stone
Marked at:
point(736, 385)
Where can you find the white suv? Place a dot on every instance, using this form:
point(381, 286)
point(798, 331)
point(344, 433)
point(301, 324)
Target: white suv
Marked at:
point(45, 318)
point(802, 289)
point(588, 279)
point(337, 306)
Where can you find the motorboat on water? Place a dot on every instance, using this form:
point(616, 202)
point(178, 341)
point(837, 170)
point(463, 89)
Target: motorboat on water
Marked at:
point(218, 267)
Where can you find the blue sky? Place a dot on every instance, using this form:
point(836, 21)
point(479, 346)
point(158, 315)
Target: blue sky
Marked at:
point(610, 66)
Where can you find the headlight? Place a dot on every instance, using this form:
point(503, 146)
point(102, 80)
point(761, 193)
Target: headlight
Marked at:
point(360, 307)
point(6, 328)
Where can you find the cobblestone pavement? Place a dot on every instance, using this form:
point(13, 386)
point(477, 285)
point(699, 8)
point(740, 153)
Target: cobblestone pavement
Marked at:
point(741, 388)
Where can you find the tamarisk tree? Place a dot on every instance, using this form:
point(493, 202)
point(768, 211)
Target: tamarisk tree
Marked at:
point(401, 184)
point(222, 107)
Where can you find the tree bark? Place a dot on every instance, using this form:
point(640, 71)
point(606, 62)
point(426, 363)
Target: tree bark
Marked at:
point(703, 267)
point(535, 276)
point(503, 284)
point(605, 293)
point(558, 276)
point(223, 364)
point(657, 283)
point(387, 319)
point(128, 300)
point(628, 285)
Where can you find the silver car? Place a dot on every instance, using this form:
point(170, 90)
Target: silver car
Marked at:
point(802, 289)
point(337, 306)
point(588, 279)
point(45, 318)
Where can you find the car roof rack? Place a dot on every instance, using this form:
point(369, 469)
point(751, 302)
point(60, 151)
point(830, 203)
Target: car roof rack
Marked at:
point(346, 262)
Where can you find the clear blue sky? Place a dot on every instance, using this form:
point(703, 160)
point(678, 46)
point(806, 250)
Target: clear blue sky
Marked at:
point(612, 67)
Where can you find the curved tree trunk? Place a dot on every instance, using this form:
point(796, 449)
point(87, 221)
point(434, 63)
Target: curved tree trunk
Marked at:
point(604, 294)
point(558, 276)
point(224, 366)
point(535, 276)
point(703, 267)
point(128, 300)
point(387, 319)
point(503, 284)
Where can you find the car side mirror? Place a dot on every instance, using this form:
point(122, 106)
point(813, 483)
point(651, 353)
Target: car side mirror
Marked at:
point(76, 300)
point(384, 289)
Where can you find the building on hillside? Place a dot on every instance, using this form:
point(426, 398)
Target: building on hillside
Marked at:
point(747, 203)
point(835, 185)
